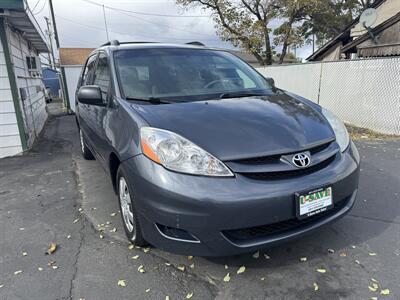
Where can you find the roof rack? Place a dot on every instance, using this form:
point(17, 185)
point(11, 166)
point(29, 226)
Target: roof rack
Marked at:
point(196, 43)
point(117, 43)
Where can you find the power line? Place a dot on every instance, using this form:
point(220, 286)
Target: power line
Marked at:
point(144, 13)
point(40, 10)
point(36, 4)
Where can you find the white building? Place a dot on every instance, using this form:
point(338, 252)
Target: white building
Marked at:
point(22, 103)
point(72, 61)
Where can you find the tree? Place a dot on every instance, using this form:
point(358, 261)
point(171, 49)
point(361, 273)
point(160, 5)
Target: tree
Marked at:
point(244, 23)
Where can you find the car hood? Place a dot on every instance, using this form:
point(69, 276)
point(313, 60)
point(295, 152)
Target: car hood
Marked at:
point(243, 127)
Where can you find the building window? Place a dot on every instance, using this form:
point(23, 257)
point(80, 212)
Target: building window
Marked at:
point(31, 63)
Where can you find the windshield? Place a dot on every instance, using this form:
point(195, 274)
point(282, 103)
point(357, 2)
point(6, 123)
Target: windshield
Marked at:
point(184, 74)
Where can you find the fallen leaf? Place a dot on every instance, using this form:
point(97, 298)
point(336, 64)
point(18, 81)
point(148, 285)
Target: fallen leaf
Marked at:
point(352, 246)
point(226, 267)
point(55, 267)
point(52, 248)
point(372, 254)
point(190, 257)
point(182, 268)
point(303, 259)
point(166, 297)
point(331, 250)
point(113, 230)
point(241, 270)
point(101, 236)
point(121, 283)
point(316, 287)
point(267, 256)
point(323, 271)
point(80, 209)
point(189, 295)
point(113, 214)
point(22, 229)
point(374, 280)
point(1, 285)
point(256, 255)
point(141, 269)
point(18, 272)
point(374, 298)
point(135, 257)
point(262, 278)
point(227, 278)
point(68, 236)
point(372, 289)
point(75, 221)
point(24, 253)
point(145, 250)
point(40, 269)
point(130, 247)
point(357, 262)
point(148, 290)
point(167, 264)
point(192, 266)
point(385, 292)
point(343, 254)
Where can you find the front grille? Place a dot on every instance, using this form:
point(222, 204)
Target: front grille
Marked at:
point(257, 232)
point(290, 173)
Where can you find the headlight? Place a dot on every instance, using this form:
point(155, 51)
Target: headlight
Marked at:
point(342, 136)
point(178, 154)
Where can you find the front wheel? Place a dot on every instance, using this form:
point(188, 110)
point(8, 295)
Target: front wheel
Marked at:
point(128, 213)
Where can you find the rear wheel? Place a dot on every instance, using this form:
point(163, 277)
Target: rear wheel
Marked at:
point(86, 153)
point(127, 206)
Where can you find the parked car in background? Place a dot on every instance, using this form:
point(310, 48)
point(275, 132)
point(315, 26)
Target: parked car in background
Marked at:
point(207, 156)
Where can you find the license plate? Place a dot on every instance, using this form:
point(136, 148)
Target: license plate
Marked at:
point(314, 202)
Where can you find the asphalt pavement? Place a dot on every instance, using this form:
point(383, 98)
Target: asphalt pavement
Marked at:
point(51, 194)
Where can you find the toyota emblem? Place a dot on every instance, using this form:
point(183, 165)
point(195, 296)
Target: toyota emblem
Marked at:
point(301, 160)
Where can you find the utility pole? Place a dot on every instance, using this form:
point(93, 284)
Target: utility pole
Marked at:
point(63, 77)
point(105, 22)
point(52, 61)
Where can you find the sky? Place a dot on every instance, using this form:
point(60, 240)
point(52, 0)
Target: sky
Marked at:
point(81, 23)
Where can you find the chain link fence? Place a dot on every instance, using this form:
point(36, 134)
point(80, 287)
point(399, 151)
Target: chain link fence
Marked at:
point(365, 93)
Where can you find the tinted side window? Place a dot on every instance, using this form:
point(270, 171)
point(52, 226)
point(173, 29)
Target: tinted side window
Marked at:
point(102, 75)
point(87, 74)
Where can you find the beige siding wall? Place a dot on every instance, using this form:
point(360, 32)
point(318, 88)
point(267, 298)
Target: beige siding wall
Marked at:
point(34, 106)
point(10, 142)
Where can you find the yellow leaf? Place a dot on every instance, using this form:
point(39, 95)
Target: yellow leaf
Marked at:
point(241, 270)
point(190, 257)
point(385, 292)
point(189, 295)
point(113, 214)
point(374, 280)
point(303, 259)
point(323, 271)
point(135, 257)
point(166, 297)
point(101, 236)
point(182, 268)
point(141, 269)
point(18, 272)
point(375, 286)
point(316, 287)
point(52, 248)
point(256, 255)
point(121, 283)
point(372, 289)
point(372, 254)
point(227, 277)
point(113, 230)
point(343, 254)
point(145, 250)
point(192, 266)
point(374, 298)
point(130, 247)
point(24, 253)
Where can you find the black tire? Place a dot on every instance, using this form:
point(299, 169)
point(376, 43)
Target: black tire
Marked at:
point(132, 227)
point(86, 153)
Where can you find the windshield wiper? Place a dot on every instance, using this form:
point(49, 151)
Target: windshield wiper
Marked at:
point(239, 95)
point(152, 100)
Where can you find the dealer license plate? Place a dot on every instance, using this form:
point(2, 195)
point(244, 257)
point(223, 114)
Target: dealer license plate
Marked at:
point(314, 202)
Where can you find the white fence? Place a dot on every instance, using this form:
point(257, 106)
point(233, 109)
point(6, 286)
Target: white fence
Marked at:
point(365, 93)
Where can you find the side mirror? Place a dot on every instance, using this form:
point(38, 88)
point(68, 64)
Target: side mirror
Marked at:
point(90, 94)
point(270, 81)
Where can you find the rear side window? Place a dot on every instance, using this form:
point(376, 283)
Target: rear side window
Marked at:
point(87, 74)
point(101, 76)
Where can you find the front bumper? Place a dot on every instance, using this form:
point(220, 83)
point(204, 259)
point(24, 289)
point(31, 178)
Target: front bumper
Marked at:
point(218, 211)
